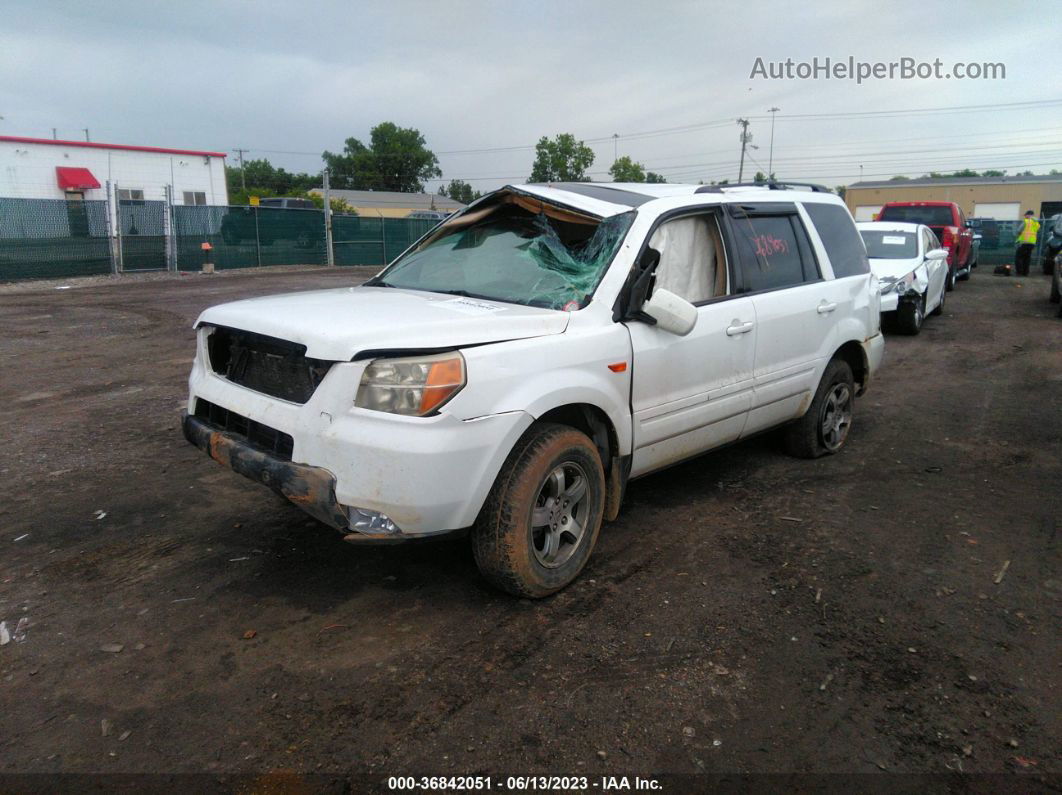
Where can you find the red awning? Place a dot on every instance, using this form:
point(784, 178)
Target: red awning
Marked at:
point(75, 178)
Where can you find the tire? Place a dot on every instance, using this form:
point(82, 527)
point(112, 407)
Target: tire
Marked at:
point(949, 281)
point(940, 307)
point(910, 314)
point(516, 553)
point(805, 438)
point(1055, 296)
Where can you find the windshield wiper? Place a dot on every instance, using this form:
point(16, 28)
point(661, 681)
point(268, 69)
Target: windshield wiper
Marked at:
point(374, 282)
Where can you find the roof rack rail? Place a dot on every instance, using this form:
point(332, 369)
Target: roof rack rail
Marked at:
point(770, 185)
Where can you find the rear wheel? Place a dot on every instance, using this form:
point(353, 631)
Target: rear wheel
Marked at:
point(824, 429)
point(542, 517)
point(949, 281)
point(910, 314)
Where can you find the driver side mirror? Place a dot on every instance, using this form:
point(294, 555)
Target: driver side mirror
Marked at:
point(671, 313)
point(937, 253)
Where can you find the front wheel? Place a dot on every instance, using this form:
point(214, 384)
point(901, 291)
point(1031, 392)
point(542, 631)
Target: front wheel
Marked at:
point(824, 429)
point(910, 315)
point(541, 519)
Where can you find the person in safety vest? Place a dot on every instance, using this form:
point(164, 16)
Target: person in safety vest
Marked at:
point(1026, 243)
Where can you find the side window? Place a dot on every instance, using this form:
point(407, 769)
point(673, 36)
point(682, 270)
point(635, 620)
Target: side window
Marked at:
point(929, 241)
point(843, 244)
point(692, 259)
point(934, 242)
point(773, 251)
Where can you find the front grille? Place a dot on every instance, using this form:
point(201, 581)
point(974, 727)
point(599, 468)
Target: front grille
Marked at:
point(262, 437)
point(272, 366)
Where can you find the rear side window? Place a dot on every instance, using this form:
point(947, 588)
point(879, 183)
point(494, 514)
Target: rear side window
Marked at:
point(841, 238)
point(773, 251)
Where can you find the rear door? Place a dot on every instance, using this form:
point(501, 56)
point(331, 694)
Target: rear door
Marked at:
point(796, 307)
point(690, 394)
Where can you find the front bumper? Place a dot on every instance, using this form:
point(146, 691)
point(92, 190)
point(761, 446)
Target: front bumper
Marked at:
point(311, 488)
point(890, 302)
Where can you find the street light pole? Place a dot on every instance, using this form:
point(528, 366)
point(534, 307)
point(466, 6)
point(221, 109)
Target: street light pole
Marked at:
point(770, 158)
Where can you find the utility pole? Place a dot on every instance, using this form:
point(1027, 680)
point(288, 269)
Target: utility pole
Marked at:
point(770, 157)
point(745, 138)
point(86, 133)
point(243, 179)
point(615, 147)
point(54, 136)
point(860, 172)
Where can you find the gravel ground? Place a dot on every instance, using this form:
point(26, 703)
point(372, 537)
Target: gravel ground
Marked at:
point(893, 608)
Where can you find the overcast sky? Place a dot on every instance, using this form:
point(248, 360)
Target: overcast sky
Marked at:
point(300, 77)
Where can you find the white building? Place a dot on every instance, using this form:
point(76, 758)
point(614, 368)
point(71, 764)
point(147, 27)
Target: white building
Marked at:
point(41, 168)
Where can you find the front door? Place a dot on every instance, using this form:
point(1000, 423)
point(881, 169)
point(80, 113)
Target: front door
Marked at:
point(77, 214)
point(691, 394)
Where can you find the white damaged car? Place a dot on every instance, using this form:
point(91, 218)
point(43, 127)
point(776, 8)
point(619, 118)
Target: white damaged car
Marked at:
point(512, 371)
point(912, 269)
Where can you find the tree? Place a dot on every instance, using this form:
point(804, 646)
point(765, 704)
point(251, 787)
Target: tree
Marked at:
point(1025, 173)
point(993, 172)
point(652, 176)
point(561, 160)
point(626, 170)
point(396, 159)
point(339, 206)
point(899, 178)
point(760, 177)
point(460, 191)
point(966, 172)
point(840, 190)
point(262, 178)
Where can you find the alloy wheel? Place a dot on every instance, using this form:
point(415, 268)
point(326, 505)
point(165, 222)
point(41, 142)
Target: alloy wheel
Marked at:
point(836, 417)
point(559, 518)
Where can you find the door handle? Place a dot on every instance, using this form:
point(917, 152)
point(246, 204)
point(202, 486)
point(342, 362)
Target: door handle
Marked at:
point(739, 328)
point(826, 307)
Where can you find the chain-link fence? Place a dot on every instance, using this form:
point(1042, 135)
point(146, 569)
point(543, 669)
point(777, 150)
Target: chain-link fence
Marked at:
point(359, 240)
point(49, 238)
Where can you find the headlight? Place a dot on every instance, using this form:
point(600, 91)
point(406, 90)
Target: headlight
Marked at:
point(416, 386)
point(899, 286)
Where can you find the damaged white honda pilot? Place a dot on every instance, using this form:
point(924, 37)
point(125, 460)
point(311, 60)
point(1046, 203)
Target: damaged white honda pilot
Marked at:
point(517, 366)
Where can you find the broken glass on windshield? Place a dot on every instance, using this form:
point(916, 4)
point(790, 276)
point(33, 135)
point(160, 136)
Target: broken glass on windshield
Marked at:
point(516, 250)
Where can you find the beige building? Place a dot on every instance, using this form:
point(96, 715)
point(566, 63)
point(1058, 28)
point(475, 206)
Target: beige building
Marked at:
point(388, 204)
point(1002, 198)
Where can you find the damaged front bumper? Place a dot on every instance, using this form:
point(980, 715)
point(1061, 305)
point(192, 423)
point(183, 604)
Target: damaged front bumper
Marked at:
point(311, 488)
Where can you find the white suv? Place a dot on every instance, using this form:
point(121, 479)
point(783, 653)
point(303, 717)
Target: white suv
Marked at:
point(512, 370)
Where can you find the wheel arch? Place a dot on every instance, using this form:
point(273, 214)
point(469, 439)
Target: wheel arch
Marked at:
point(598, 426)
point(854, 354)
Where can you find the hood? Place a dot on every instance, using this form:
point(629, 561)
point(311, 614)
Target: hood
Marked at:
point(892, 269)
point(336, 325)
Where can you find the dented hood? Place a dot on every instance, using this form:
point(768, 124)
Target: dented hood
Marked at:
point(892, 269)
point(337, 324)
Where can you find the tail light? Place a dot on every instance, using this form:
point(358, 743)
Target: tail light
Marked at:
point(948, 241)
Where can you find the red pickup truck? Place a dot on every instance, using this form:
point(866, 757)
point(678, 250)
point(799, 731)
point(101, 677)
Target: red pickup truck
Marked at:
point(947, 220)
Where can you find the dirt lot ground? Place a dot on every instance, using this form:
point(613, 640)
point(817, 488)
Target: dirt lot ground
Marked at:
point(892, 608)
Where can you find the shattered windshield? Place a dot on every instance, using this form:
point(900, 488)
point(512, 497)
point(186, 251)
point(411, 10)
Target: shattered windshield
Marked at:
point(517, 251)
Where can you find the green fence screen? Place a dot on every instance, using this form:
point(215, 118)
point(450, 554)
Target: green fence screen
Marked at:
point(359, 240)
point(52, 238)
